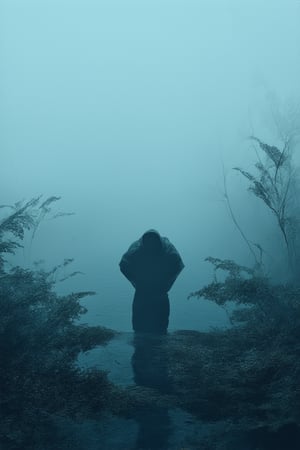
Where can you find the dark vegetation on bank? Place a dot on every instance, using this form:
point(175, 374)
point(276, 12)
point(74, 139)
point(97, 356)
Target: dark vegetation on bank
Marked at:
point(40, 340)
point(246, 376)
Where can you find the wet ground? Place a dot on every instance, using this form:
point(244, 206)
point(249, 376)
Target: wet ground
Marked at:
point(138, 361)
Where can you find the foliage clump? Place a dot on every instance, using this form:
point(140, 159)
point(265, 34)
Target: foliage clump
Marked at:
point(40, 340)
point(248, 374)
point(275, 182)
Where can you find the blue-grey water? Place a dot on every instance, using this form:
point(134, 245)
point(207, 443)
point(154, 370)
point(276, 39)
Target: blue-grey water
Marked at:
point(156, 428)
point(191, 314)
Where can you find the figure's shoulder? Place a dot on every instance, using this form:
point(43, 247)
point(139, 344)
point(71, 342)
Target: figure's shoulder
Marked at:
point(134, 248)
point(168, 247)
point(171, 252)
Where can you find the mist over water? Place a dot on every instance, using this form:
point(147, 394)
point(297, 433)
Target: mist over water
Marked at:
point(127, 110)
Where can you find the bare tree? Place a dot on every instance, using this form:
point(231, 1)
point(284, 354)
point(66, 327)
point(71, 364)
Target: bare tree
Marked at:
point(275, 182)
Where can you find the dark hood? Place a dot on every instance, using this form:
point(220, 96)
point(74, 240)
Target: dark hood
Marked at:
point(153, 233)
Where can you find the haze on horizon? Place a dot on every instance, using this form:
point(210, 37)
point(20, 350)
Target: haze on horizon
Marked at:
point(127, 110)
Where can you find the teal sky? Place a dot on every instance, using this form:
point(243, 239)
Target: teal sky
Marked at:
point(127, 109)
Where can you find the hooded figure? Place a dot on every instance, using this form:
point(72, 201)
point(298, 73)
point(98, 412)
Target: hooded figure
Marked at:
point(151, 264)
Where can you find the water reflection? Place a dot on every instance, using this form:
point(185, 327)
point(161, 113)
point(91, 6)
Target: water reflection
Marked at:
point(150, 369)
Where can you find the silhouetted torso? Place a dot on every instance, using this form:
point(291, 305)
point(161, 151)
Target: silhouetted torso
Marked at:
point(151, 264)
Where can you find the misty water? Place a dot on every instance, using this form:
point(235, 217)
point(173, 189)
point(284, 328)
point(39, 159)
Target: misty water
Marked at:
point(135, 113)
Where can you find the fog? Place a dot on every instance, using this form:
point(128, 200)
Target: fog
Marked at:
point(129, 110)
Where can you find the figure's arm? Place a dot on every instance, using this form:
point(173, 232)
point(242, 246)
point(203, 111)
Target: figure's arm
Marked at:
point(175, 266)
point(128, 265)
point(169, 282)
point(125, 269)
point(173, 276)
